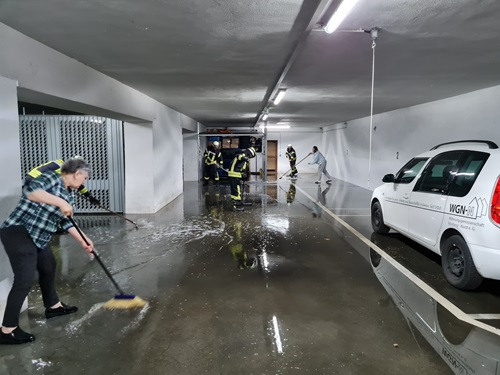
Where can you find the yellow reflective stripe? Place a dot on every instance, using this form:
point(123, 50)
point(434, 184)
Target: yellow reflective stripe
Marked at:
point(34, 173)
point(234, 174)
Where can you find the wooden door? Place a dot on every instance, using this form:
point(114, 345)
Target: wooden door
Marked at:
point(272, 157)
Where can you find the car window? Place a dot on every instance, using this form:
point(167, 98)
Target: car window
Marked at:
point(438, 173)
point(467, 174)
point(408, 173)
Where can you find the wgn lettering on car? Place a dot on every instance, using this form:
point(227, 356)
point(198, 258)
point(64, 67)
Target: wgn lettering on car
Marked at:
point(475, 209)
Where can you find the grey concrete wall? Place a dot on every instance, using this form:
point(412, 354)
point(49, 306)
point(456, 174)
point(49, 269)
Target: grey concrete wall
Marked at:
point(399, 135)
point(10, 188)
point(45, 76)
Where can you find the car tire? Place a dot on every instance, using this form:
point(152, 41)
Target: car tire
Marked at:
point(458, 265)
point(378, 224)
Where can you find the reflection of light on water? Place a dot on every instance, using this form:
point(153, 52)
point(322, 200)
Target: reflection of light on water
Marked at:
point(265, 261)
point(277, 336)
point(276, 223)
point(39, 363)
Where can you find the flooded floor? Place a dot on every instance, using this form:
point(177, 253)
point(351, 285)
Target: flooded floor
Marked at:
point(280, 288)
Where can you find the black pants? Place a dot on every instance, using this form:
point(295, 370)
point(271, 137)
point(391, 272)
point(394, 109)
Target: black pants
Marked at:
point(292, 167)
point(211, 172)
point(25, 258)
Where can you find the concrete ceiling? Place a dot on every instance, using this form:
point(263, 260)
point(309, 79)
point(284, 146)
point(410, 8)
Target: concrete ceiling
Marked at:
point(220, 61)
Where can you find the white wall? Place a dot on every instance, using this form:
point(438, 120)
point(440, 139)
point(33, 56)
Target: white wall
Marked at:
point(10, 188)
point(167, 166)
point(192, 154)
point(404, 133)
point(139, 176)
point(303, 142)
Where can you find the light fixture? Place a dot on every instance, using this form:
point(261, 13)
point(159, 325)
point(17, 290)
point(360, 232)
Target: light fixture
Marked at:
point(279, 97)
point(264, 118)
point(339, 15)
point(275, 126)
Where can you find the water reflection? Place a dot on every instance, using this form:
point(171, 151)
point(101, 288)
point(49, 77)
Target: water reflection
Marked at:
point(290, 194)
point(239, 249)
point(321, 196)
point(466, 348)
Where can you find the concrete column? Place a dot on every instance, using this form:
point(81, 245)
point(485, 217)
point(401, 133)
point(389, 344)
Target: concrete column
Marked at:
point(139, 169)
point(9, 170)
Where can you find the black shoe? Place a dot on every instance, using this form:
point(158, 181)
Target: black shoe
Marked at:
point(238, 208)
point(64, 310)
point(17, 336)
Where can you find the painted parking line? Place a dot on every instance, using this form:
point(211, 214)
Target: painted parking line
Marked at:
point(353, 215)
point(485, 316)
point(421, 284)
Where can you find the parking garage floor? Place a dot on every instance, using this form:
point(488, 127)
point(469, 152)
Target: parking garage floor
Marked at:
point(289, 286)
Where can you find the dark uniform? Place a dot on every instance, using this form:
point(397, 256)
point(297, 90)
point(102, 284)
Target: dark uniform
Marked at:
point(55, 165)
point(237, 172)
point(212, 158)
point(292, 157)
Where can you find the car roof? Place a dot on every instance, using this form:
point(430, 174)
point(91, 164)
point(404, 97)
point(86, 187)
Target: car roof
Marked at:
point(460, 146)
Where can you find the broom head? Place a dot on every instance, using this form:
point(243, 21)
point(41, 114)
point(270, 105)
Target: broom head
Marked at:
point(125, 301)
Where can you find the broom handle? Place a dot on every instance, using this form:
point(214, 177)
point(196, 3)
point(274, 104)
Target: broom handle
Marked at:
point(97, 257)
point(113, 212)
point(295, 165)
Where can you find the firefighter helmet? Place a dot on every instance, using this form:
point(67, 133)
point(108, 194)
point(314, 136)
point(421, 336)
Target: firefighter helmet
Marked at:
point(250, 153)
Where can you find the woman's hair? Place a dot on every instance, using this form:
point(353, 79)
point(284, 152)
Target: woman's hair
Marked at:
point(315, 148)
point(74, 165)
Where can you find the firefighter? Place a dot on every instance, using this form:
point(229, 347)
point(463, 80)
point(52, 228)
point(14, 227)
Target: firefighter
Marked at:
point(55, 165)
point(291, 155)
point(212, 159)
point(238, 171)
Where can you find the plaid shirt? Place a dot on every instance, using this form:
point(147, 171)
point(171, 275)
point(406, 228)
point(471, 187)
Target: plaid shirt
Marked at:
point(40, 219)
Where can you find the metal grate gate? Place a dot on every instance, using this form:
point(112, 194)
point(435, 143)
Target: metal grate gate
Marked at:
point(98, 140)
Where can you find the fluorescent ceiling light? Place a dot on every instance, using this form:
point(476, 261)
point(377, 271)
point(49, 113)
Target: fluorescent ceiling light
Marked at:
point(275, 126)
point(264, 118)
point(279, 97)
point(339, 15)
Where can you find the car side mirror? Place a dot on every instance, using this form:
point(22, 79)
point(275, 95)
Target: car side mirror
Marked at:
point(388, 178)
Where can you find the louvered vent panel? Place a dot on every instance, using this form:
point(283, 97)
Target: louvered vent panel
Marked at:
point(34, 151)
point(87, 137)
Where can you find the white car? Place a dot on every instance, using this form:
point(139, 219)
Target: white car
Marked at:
point(448, 200)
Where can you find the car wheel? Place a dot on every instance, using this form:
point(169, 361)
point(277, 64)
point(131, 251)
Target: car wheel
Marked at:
point(458, 265)
point(378, 219)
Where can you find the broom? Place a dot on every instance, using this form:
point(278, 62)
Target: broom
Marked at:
point(121, 300)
